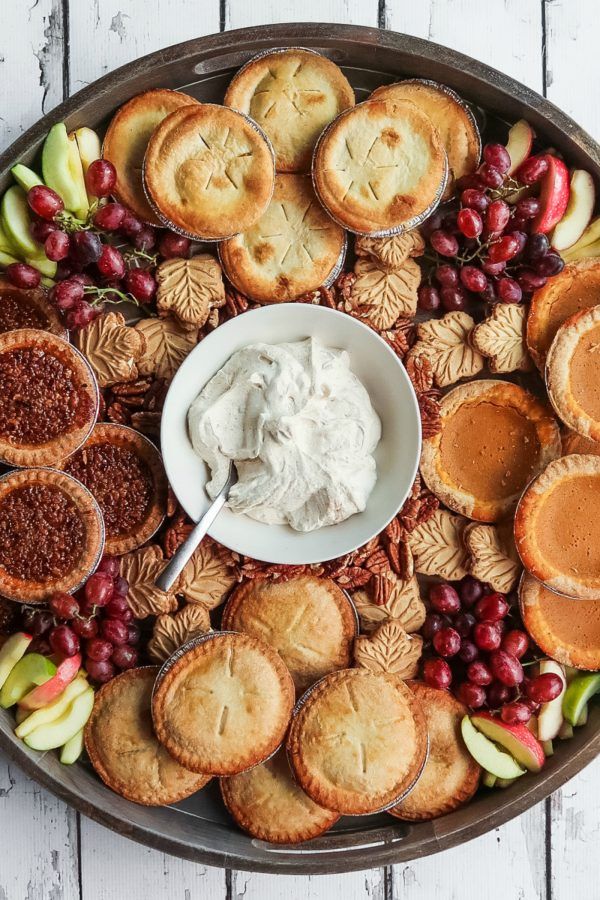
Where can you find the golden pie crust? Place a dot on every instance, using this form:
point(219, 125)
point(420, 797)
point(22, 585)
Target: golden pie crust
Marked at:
point(566, 630)
point(268, 804)
point(293, 95)
point(294, 248)
point(309, 621)
point(494, 438)
point(358, 741)
point(451, 775)
point(556, 527)
point(123, 748)
point(126, 140)
point(21, 308)
point(223, 705)
point(451, 117)
point(577, 287)
point(573, 372)
point(127, 439)
point(209, 172)
point(380, 166)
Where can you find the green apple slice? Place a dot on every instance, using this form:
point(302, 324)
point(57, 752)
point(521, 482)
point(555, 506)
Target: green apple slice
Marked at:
point(25, 176)
point(89, 148)
point(488, 780)
point(504, 782)
point(583, 716)
point(62, 169)
point(6, 259)
point(44, 265)
point(487, 754)
point(577, 695)
point(55, 734)
point(548, 747)
point(15, 219)
point(6, 245)
point(20, 715)
point(566, 730)
point(53, 710)
point(31, 670)
point(11, 652)
point(72, 750)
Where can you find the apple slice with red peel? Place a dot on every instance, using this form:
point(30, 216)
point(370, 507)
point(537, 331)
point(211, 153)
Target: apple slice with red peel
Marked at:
point(520, 140)
point(516, 739)
point(551, 715)
point(11, 652)
point(554, 195)
point(582, 199)
point(487, 754)
point(50, 690)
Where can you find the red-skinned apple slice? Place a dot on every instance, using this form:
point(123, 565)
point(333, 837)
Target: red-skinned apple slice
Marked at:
point(516, 740)
point(550, 718)
point(520, 139)
point(554, 195)
point(578, 213)
point(488, 754)
point(50, 690)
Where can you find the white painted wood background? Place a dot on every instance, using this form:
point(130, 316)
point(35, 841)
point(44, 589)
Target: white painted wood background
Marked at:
point(51, 48)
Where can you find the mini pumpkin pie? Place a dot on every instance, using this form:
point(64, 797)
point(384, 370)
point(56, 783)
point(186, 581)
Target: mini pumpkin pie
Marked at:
point(557, 529)
point(294, 248)
point(124, 472)
point(20, 308)
point(308, 620)
point(566, 630)
point(451, 775)
point(573, 372)
point(223, 703)
point(451, 117)
point(380, 167)
point(126, 141)
point(576, 288)
point(48, 398)
point(123, 748)
point(268, 804)
point(209, 172)
point(494, 438)
point(358, 741)
point(293, 94)
point(51, 534)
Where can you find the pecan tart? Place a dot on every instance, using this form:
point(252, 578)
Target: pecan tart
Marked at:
point(124, 472)
point(51, 534)
point(48, 398)
point(495, 437)
point(20, 308)
point(123, 748)
point(573, 372)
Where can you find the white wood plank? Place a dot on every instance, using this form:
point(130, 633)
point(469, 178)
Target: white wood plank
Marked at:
point(575, 842)
point(31, 59)
point(354, 886)
point(242, 13)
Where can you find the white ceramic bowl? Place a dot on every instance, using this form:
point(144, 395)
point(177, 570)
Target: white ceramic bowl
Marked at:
point(392, 396)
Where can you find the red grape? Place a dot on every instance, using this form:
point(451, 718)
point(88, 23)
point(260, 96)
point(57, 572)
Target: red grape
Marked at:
point(470, 694)
point(469, 222)
point(509, 290)
point(109, 217)
point(437, 673)
point(528, 208)
point(520, 236)
point(491, 608)
point(141, 284)
point(515, 642)
point(22, 275)
point(497, 155)
point(446, 275)
point(116, 607)
point(40, 229)
point(491, 268)
point(133, 633)
point(497, 694)
point(475, 199)
point(444, 599)
point(447, 641)
point(85, 628)
point(530, 281)
point(130, 226)
point(479, 673)
point(37, 621)
point(429, 298)
point(66, 294)
point(125, 657)
point(515, 713)
point(145, 239)
point(490, 176)
point(114, 630)
point(469, 181)
point(551, 264)
point(504, 249)
point(99, 589)
point(57, 245)
point(63, 641)
point(444, 243)
point(111, 263)
point(101, 671)
point(109, 565)
point(44, 201)
point(432, 624)
point(487, 635)
point(126, 616)
point(544, 688)
point(64, 605)
point(100, 178)
point(532, 169)
point(453, 299)
point(98, 649)
point(121, 586)
point(506, 668)
point(81, 315)
point(468, 651)
point(470, 590)
point(463, 623)
point(473, 279)
point(86, 247)
point(173, 245)
point(497, 216)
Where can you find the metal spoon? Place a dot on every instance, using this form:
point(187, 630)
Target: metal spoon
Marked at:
point(173, 570)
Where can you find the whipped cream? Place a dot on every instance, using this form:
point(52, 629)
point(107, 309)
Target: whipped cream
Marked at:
point(300, 428)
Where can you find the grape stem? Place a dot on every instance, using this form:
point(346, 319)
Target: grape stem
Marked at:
point(108, 295)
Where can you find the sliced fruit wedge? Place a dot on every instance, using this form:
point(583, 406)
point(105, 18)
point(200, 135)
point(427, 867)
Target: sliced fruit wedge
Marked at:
point(554, 195)
point(48, 691)
point(548, 748)
point(60, 731)
point(44, 265)
point(504, 782)
point(577, 695)
point(15, 218)
point(566, 731)
point(6, 259)
point(6, 245)
point(488, 780)
point(31, 670)
point(89, 149)
point(54, 710)
point(25, 176)
point(516, 739)
point(11, 652)
point(72, 750)
point(520, 140)
point(487, 754)
point(550, 717)
point(63, 171)
point(579, 211)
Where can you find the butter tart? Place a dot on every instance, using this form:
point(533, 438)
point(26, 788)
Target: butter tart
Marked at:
point(494, 438)
point(358, 741)
point(451, 117)
point(268, 804)
point(577, 287)
point(557, 532)
point(293, 94)
point(294, 248)
point(123, 748)
point(380, 167)
point(308, 620)
point(20, 308)
point(451, 775)
point(124, 472)
point(222, 703)
point(51, 534)
point(566, 630)
point(209, 172)
point(48, 398)
point(126, 140)
point(573, 372)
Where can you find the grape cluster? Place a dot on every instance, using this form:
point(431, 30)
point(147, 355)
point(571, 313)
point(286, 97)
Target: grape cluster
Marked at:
point(98, 622)
point(473, 650)
point(487, 247)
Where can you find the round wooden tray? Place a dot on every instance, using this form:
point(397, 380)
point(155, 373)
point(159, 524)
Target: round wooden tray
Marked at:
point(199, 828)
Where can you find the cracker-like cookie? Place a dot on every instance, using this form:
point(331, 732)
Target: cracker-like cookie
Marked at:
point(384, 296)
point(501, 338)
point(190, 289)
point(438, 548)
point(389, 649)
point(391, 252)
point(446, 344)
point(493, 558)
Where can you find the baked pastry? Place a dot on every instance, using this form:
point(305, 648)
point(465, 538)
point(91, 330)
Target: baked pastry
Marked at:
point(566, 630)
point(121, 725)
point(451, 775)
point(577, 443)
point(380, 167)
point(51, 534)
point(20, 308)
point(309, 621)
point(451, 117)
point(577, 287)
point(573, 372)
point(48, 398)
point(294, 247)
point(209, 172)
point(268, 804)
point(124, 472)
point(224, 704)
point(293, 94)
point(556, 527)
point(358, 741)
point(126, 140)
point(495, 438)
